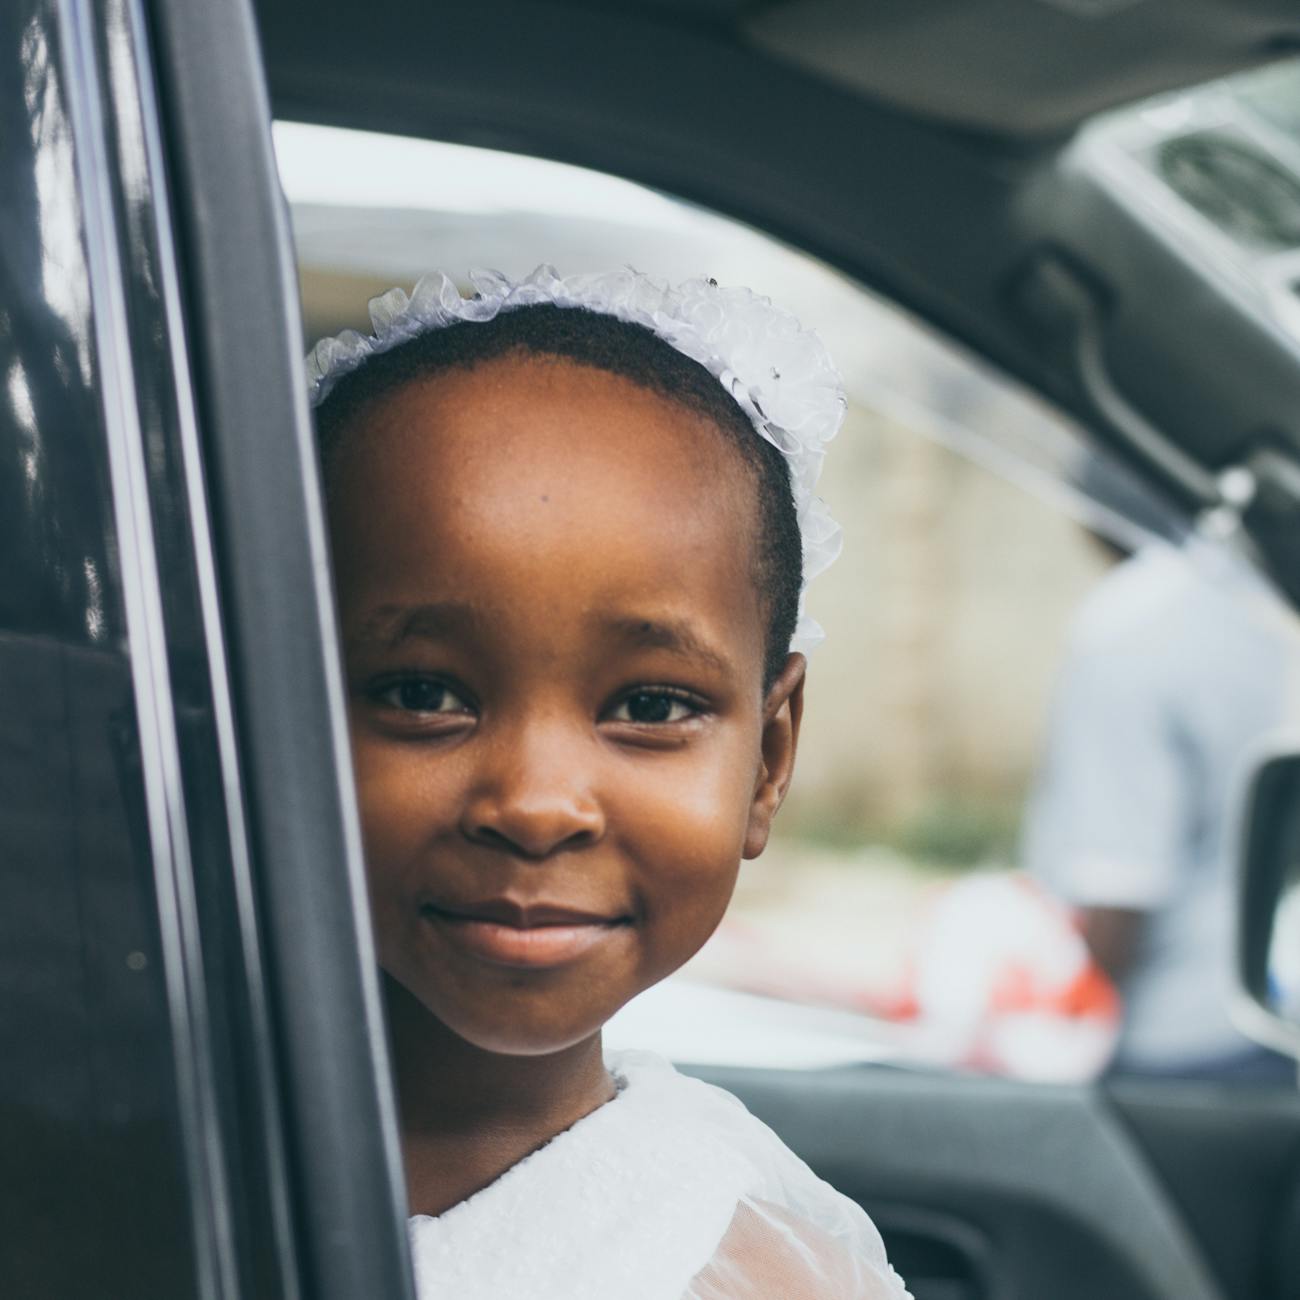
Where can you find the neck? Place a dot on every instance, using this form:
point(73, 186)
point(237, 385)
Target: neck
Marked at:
point(468, 1115)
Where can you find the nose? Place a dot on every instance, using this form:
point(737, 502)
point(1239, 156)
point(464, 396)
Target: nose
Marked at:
point(534, 798)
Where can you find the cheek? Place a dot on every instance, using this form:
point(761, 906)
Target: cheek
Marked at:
point(401, 808)
point(704, 819)
point(688, 830)
point(385, 798)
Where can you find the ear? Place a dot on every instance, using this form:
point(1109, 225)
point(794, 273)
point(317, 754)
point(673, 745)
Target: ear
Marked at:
point(782, 713)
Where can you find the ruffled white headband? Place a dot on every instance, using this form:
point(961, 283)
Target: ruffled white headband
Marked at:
point(779, 372)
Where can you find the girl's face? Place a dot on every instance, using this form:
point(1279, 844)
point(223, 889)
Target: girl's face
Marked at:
point(554, 652)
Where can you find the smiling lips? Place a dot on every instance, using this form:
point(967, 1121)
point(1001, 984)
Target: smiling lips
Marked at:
point(506, 933)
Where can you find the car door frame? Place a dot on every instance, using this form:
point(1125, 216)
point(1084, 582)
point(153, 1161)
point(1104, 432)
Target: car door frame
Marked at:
point(287, 1122)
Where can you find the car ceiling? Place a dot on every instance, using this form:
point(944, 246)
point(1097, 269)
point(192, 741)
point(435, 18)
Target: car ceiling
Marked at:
point(1010, 67)
point(1020, 67)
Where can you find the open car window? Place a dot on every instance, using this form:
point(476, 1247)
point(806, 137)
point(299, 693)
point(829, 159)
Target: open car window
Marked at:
point(898, 915)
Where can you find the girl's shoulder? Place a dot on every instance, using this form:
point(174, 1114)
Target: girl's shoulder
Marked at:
point(658, 1195)
point(790, 1232)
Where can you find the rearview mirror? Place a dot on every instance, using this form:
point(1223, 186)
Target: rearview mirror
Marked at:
point(1268, 920)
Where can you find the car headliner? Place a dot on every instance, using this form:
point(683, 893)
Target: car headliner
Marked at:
point(1016, 68)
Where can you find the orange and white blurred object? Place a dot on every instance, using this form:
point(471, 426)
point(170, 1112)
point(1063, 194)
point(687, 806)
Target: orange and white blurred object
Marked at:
point(983, 971)
point(1003, 974)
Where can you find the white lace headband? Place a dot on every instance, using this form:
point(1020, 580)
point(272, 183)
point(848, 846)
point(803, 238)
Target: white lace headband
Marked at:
point(780, 373)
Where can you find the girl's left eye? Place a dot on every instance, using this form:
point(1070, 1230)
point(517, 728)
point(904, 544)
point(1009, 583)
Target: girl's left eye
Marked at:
point(654, 708)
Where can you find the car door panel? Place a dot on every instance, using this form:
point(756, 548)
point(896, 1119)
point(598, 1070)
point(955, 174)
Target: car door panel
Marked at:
point(985, 1188)
point(1231, 1164)
point(89, 1099)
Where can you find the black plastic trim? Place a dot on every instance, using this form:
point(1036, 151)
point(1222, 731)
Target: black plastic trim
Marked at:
point(1269, 841)
point(272, 566)
point(258, 1222)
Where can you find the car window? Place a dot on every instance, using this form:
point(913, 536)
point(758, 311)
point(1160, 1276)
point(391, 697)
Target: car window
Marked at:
point(916, 905)
point(92, 1112)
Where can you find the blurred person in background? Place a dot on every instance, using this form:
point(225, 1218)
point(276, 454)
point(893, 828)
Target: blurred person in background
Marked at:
point(1177, 664)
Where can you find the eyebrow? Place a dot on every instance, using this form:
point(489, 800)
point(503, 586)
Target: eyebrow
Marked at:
point(673, 635)
point(390, 625)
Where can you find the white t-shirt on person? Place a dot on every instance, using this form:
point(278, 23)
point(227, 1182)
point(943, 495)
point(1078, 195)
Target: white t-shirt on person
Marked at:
point(1179, 664)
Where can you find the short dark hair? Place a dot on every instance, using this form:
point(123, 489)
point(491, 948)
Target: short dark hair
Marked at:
point(621, 348)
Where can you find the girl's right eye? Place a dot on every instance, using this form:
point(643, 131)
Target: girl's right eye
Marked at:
point(421, 695)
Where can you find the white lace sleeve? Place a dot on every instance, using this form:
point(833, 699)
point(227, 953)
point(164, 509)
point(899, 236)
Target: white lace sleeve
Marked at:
point(770, 1254)
point(792, 1235)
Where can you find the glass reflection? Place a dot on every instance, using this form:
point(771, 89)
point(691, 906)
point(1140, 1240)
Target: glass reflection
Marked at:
point(52, 529)
point(63, 272)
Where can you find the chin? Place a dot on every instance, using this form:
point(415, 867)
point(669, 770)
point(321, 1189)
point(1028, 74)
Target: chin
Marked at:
point(521, 1038)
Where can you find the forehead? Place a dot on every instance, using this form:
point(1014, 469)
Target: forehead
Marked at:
point(525, 474)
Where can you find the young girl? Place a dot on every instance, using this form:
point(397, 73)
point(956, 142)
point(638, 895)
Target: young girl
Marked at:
point(572, 521)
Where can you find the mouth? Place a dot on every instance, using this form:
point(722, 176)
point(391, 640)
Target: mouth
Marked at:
point(533, 936)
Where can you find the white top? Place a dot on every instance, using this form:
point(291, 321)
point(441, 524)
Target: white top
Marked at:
point(671, 1191)
point(1179, 663)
